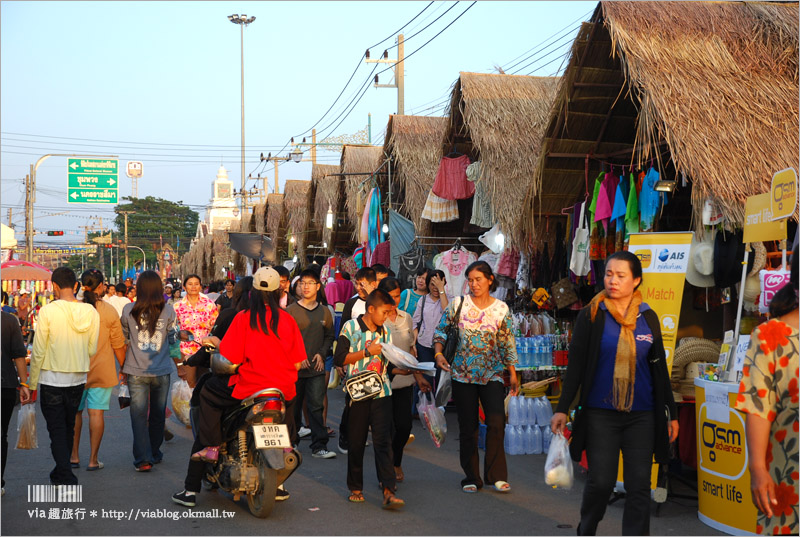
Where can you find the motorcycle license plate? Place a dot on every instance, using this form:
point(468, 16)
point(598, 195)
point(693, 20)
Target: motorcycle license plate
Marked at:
point(271, 435)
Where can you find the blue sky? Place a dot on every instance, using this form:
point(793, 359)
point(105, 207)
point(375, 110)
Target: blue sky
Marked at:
point(160, 82)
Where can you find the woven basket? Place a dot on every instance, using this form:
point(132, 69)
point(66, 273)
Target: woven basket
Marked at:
point(691, 349)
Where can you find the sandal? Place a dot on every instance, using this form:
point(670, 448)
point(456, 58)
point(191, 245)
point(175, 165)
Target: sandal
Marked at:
point(146, 467)
point(470, 489)
point(399, 475)
point(356, 497)
point(502, 486)
point(390, 501)
point(331, 432)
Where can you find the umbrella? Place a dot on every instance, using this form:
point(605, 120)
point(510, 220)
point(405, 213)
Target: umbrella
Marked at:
point(23, 270)
point(253, 245)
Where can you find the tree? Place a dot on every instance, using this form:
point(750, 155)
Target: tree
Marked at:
point(156, 221)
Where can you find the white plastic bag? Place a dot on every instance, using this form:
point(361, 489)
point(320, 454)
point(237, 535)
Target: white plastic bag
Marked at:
point(444, 391)
point(580, 263)
point(433, 418)
point(558, 467)
point(26, 427)
point(181, 398)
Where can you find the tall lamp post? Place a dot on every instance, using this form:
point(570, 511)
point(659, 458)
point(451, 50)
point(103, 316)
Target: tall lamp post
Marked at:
point(242, 21)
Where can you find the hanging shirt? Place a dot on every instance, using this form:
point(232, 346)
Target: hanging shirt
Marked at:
point(439, 209)
point(382, 254)
point(451, 180)
point(598, 182)
point(482, 210)
point(632, 211)
point(486, 344)
point(650, 200)
point(619, 206)
point(491, 258)
point(509, 263)
point(453, 263)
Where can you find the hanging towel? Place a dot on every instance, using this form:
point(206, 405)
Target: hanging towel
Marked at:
point(451, 180)
point(439, 209)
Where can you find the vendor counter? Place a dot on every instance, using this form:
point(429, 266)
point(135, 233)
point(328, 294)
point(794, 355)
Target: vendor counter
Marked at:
point(723, 478)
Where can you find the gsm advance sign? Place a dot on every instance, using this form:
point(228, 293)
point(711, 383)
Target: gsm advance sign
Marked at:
point(92, 180)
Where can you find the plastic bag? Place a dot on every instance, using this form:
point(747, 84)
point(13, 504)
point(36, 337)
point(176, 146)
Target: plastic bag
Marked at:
point(26, 427)
point(181, 400)
point(124, 396)
point(558, 467)
point(433, 418)
point(444, 391)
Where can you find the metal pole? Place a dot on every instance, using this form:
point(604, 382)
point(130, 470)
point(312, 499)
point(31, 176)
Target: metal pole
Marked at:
point(369, 129)
point(277, 188)
point(400, 76)
point(244, 190)
point(28, 222)
point(313, 151)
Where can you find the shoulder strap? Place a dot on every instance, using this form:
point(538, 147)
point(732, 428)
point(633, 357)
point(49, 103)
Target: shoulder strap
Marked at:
point(458, 312)
point(421, 315)
point(408, 299)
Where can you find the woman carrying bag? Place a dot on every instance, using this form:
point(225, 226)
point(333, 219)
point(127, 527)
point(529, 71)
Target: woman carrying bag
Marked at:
point(485, 348)
point(617, 361)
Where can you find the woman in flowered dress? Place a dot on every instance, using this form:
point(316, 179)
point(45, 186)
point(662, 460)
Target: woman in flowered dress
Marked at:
point(769, 395)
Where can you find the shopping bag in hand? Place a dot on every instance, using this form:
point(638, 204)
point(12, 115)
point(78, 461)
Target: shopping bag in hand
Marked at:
point(444, 390)
point(558, 466)
point(433, 418)
point(26, 427)
point(124, 396)
point(181, 400)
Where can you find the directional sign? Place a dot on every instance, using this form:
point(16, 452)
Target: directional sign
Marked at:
point(92, 180)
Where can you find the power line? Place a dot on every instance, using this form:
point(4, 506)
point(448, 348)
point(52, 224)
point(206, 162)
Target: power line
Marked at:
point(570, 25)
point(235, 148)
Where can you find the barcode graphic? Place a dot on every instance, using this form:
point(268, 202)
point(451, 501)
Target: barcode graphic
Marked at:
point(55, 493)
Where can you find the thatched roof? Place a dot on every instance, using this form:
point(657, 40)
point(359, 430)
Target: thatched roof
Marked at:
point(713, 85)
point(359, 159)
point(274, 217)
point(260, 214)
point(327, 194)
point(297, 207)
point(500, 120)
point(414, 143)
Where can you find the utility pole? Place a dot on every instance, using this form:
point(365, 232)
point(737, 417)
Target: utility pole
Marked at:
point(9, 217)
point(126, 213)
point(28, 219)
point(399, 75)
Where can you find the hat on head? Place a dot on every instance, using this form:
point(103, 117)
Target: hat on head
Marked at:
point(266, 279)
point(168, 285)
point(24, 292)
point(700, 269)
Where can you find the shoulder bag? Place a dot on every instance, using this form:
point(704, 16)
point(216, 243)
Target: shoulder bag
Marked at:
point(453, 336)
point(364, 384)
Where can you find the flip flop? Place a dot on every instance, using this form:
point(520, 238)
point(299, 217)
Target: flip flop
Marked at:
point(502, 486)
point(470, 489)
point(356, 497)
point(75, 464)
point(99, 466)
point(392, 502)
point(331, 432)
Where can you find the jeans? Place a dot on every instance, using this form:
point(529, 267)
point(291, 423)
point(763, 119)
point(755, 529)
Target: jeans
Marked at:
point(148, 415)
point(375, 414)
point(9, 401)
point(313, 390)
point(494, 464)
point(59, 407)
point(401, 410)
point(608, 432)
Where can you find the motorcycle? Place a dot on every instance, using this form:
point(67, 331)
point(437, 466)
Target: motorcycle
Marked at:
point(256, 455)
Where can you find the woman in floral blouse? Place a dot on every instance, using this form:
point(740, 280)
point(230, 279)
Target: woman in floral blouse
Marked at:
point(769, 395)
point(196, 314)
point(486, 347)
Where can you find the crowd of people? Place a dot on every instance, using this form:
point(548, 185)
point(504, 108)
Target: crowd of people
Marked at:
point(284, 333)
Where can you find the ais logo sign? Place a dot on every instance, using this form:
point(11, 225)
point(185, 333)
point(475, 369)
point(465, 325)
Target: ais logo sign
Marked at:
point(665, 255)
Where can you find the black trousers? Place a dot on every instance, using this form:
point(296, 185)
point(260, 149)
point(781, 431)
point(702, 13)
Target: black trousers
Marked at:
point(59, 406)
point(375, 413)
point(402, 420)
point(491, 397)
point(608, 433)
point(9, 401)
point(344, 422)
point(312, 389)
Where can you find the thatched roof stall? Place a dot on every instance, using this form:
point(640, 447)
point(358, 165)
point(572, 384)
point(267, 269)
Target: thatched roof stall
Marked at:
point(363, 160)
point(275, 228)
point(260, 215)
point(297, 208)
point(327, 194)
point(221, 254)
point(707, 89)
point(414, 145)
point(499, 120)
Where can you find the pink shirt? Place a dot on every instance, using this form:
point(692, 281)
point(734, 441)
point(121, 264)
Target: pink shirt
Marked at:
point(197, 319)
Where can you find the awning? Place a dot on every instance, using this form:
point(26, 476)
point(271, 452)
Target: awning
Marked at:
point(253, 245)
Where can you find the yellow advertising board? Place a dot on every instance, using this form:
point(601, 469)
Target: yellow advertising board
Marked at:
point(758, 220)
point(724, 501)
point(783, 194)
point(665, 258)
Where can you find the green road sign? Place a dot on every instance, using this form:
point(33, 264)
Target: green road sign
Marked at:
point(92, 180)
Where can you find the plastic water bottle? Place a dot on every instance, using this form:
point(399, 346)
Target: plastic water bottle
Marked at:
point(536, 440)
point(547, 408)
point(547, 435)
point(530, 405)
point(517, 445)
point(535, 351)
point(523, 352)
point(527, 440)
point(507, 438)
point(513, 411)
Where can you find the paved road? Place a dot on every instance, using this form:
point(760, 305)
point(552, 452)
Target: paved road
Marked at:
point(435, 504)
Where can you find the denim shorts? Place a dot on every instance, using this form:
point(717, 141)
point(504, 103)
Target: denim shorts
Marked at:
point(329, 363)
point(97, 399)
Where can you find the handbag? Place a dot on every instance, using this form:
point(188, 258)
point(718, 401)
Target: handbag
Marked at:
point(564, 293)
point(580, 262)
point(452, 334)
point(364, 385)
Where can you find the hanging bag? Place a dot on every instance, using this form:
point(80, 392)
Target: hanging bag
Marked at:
point(453, 336)
point(365, 384)
point(580, 261)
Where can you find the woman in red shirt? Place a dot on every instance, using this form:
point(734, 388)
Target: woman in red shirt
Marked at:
point(266, 341)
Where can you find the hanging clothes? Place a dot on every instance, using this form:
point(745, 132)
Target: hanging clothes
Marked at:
point(618, 216)
point(358, 258)
point(439, 209)
point(408, 265)
point(382, 254)
point(524, 272)
point(453, 263)
point(402, 232)
point(374, 224)
point(560, 268)
point(451, 180)
point(632, 210)
point(595, 236)
point(482, 210)
point(509, 263)
point(349, 265)
point(491, 258)
point(650, 200)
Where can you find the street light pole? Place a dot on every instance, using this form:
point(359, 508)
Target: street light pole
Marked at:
point(242, 21)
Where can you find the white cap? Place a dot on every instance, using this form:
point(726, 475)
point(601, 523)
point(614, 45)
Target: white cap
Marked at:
point(266, 279)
